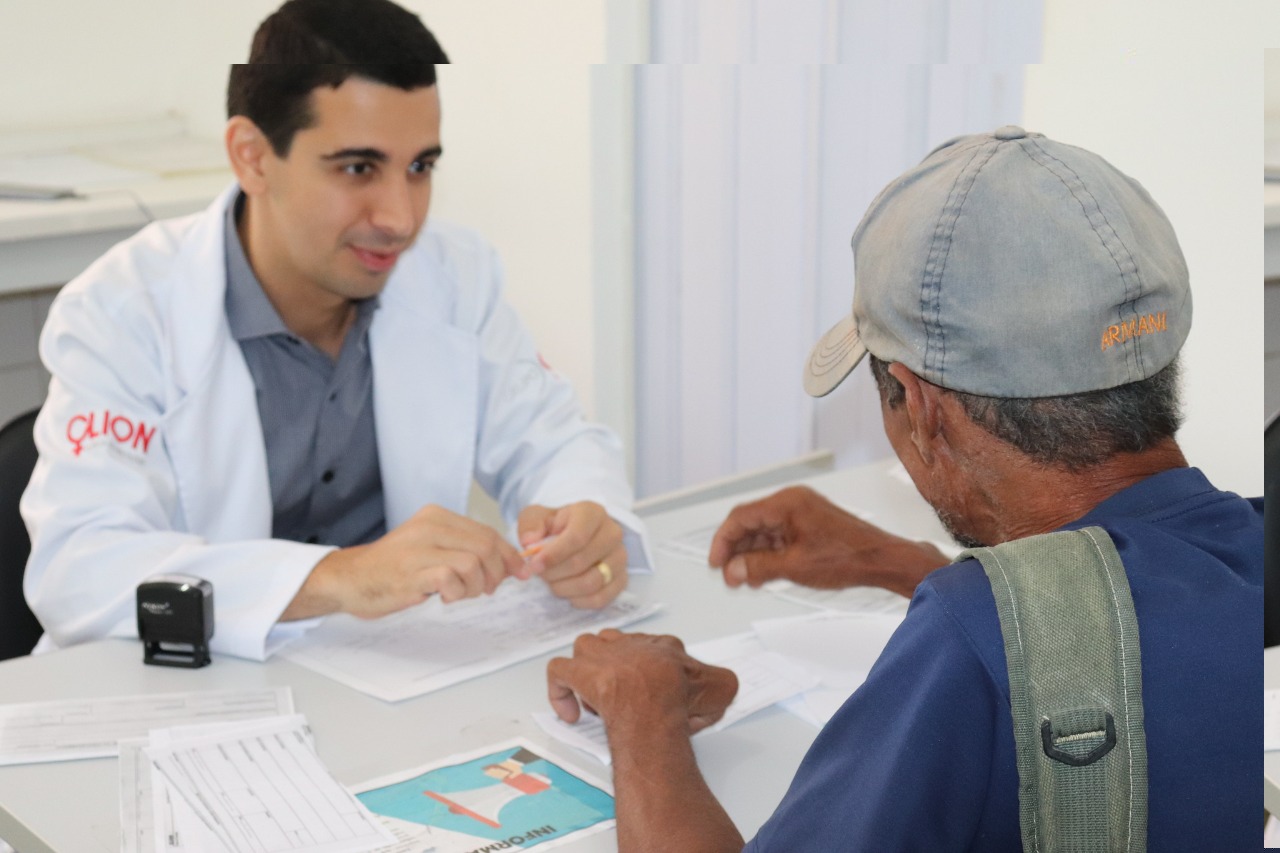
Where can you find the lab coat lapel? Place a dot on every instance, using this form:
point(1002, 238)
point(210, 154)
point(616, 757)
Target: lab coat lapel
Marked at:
point(424, 393)
point(212, 428)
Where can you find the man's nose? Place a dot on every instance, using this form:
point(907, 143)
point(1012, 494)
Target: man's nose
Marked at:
point(395, 210)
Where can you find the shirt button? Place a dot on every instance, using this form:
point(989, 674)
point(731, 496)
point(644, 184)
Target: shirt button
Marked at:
point(326, 477)
point(333, 395)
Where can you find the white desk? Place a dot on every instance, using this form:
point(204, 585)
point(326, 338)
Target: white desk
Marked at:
point(1271, 760)
point(73, 806)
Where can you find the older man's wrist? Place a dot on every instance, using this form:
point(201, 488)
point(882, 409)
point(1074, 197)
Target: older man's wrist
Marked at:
point(642, 724)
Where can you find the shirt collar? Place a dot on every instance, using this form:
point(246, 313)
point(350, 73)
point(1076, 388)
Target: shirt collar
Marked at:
point(250, 313)
point(1156, 494)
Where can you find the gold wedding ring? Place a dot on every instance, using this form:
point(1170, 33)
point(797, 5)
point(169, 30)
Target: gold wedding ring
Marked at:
point(605, 572)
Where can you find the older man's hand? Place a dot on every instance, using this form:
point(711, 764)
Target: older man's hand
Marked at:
point(799, 535)
point(638, 679)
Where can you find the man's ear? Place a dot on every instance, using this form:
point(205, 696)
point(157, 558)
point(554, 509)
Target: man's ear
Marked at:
point(247, 149)
point(923, 411)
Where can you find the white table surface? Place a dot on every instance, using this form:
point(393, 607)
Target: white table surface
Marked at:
point(1271, 760)
point(73, 806)
point(1271, 226)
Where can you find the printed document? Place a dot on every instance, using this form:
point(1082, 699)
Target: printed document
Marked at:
point(764, 679)
point(91, 728)
point(260, 786)
point(434, 645)
point(854, 599)
point(839, 648)
point(695, 544)
point(510, 796)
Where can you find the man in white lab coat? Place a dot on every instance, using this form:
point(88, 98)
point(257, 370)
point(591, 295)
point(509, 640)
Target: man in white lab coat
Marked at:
point(290, 394)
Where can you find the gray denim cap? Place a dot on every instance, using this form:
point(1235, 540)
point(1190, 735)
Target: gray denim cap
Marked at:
point(1010, 265)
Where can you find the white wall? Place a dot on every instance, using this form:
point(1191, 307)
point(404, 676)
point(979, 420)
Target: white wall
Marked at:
point(1170, 92)
point(516, 127)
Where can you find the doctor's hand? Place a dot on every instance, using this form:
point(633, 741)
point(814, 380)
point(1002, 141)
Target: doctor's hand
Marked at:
point(799, 535)
point(435, 552)
point(634, 681)
point(585, 562)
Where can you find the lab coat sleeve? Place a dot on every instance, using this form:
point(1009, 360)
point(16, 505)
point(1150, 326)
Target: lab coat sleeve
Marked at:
point(534, 446)
point(102, 506)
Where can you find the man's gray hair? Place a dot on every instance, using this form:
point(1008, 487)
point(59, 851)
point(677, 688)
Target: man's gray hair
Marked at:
point(1073, 431)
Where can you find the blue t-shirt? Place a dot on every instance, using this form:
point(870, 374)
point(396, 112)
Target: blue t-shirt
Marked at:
point(921, 757)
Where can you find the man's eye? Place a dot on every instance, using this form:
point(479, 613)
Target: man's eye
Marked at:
point(358, 168)
point(418, 167)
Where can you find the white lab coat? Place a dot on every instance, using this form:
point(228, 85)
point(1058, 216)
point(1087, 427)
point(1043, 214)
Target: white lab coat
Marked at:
point(151, 450)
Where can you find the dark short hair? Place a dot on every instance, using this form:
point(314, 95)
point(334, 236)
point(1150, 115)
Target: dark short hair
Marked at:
point(306, 44)
point(1073, 431)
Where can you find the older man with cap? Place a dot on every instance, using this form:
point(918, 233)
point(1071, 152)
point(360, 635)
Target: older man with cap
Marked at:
point(1023, 303)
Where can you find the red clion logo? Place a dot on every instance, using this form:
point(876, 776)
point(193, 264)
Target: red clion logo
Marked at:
point(118, 428)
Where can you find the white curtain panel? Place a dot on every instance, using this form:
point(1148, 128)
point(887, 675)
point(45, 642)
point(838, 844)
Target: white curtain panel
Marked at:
point(763, 132)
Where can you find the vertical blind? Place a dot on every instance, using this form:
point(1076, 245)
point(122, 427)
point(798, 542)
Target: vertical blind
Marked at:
point(764, 129)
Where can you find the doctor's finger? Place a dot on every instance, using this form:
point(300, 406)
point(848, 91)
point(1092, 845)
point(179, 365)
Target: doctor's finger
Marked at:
point(595, 587)
point(534, 524)
point(468, 569)
point(574, 528)
point(604, 541)
point(472, 537)
point(444, 582)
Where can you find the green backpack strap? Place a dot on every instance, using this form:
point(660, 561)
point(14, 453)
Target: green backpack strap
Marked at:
point(1075, 686)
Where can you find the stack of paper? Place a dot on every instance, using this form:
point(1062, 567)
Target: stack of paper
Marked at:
point(764, 679)
point(247, 786)
point(71, 729)
point(435, 645)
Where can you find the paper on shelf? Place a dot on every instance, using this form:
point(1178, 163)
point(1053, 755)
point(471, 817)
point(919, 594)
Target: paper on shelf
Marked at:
point(166, 156)
point(74, 171)
point(434, 645)
point(66, 730)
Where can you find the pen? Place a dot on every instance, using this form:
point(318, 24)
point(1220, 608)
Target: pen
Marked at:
point(532, 549)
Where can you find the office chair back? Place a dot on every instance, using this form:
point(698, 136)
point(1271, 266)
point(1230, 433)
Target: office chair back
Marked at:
point(1271, 536)
point(19, 629)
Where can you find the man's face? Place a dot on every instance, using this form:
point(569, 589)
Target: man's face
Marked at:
point(353, 191)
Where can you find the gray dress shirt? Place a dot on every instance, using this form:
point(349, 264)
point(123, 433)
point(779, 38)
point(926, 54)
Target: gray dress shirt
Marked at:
point(316, 414)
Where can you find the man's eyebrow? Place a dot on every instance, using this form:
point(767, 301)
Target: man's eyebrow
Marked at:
point(357, 154)
point(379, 156)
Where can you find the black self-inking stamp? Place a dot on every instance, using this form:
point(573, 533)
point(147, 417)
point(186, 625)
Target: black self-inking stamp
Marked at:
point(175, 620)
